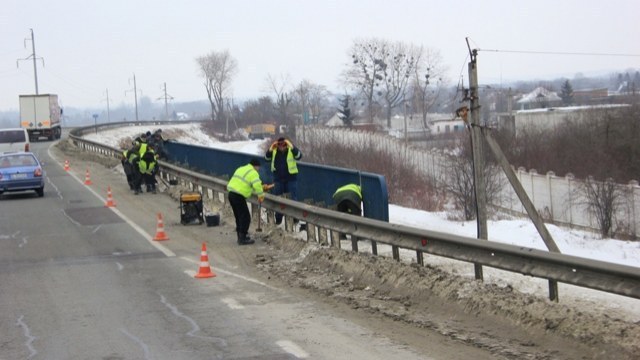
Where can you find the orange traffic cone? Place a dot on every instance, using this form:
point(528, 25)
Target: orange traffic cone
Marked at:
point(160, 234)
point(66, 165)
point(87, 179)
point(110, 202)
point(205, 269)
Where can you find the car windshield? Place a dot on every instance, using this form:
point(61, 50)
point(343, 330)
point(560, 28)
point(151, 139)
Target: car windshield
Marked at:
point(17, 160)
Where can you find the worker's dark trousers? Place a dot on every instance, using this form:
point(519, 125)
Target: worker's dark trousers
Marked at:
point(240, 212)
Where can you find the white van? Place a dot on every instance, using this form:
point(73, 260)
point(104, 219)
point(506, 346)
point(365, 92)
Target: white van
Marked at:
point(14, 140)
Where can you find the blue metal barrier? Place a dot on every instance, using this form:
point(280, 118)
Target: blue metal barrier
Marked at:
point(315, 182)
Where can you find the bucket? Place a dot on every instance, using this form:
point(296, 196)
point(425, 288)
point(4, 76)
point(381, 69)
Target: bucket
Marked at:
point(212, 219)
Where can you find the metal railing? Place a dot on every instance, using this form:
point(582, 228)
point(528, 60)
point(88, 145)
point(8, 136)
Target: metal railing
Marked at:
point(325, 226)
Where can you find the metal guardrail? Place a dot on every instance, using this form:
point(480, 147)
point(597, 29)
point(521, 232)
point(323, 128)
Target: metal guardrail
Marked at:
point(324, 226)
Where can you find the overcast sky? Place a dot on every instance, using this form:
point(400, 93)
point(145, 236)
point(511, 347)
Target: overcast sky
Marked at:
point(90, 47)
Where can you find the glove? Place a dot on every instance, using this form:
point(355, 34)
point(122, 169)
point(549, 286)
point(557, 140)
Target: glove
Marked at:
point(260, 199)
point(267, 187)
point(289, 144)
point(274, 146)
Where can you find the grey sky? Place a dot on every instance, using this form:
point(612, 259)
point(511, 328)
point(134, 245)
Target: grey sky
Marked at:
point(91, 46)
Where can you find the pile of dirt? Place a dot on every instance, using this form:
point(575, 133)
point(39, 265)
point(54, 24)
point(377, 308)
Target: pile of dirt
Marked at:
point(426, 297)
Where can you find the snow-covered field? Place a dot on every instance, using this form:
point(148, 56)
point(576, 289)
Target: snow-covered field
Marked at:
point(519, 232)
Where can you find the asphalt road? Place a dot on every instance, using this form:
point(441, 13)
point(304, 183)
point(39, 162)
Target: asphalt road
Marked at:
point(82, 281)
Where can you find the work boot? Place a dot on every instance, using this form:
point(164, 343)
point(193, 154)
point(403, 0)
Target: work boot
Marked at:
point(244, 239)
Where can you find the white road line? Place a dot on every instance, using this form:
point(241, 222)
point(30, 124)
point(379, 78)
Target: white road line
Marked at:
point(166, 251)
point(27, 334)
point(120, 267)
point(144, 346)
point(220, 271)
point(232, 303)
point(54, 186)
point(191, 273)
point(292, 348)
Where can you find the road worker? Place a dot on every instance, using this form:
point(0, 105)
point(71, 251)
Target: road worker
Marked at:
point(245, 182)
point(283, 156)
point(348, 199)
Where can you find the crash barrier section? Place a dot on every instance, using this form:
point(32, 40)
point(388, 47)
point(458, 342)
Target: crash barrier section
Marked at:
point(325, 226)
point(316, 183)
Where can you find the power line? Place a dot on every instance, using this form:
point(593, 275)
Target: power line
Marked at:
point(559, 53)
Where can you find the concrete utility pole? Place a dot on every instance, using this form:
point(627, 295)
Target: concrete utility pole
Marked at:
point(478, 154)
point(479, 134)
point(33, 57)
point(108, 111)
point(166, 98)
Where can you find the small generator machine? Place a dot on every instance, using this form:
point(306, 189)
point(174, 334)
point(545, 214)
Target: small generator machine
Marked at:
point(191, 208)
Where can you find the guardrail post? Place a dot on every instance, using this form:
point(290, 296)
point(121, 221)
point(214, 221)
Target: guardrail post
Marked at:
point(374, 247)
point(395, 250)
point(322, 236)
point(335, 239)
point(553, 291)
point(311, 232)
point(419, 258)
point(354, 243)
point(288, 223)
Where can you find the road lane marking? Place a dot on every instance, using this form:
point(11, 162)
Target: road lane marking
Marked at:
point(191, 273)
point(195, 328)
point(27, 334)
point(232, 303)
point(218, 271)
point(292, 348)
point(55, 187)
point(144, 346)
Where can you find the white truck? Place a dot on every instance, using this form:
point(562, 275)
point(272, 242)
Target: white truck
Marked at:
point(40, 115)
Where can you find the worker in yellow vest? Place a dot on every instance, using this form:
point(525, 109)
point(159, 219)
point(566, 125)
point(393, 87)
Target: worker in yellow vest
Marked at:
point(283, 156)
point(348, 199)
point(244, 183)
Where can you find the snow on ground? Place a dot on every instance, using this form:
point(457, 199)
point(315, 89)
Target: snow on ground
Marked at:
point(519, 232)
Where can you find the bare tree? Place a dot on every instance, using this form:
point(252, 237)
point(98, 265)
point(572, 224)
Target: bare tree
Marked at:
point(218, 70)
point(311, 98)
point(380, 71)
point(602, 199)
point(283, 99)
point(428, 81)
point(400, 63)
point(458, 180)
point(365, 73)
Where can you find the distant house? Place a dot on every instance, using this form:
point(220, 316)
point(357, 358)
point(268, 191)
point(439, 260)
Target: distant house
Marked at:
point(445, 124)
point(539, 98)
point(182, 116)
point(335, 120)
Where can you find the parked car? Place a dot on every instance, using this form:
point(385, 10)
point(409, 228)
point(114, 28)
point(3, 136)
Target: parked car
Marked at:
point(21, 171)
point(14, 140)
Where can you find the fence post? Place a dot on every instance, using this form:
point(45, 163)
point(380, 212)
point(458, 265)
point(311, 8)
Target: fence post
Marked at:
point(550, 175)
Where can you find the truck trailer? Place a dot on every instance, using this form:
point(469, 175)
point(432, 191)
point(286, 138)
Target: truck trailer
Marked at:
point(261, 131)
point(40, 115)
